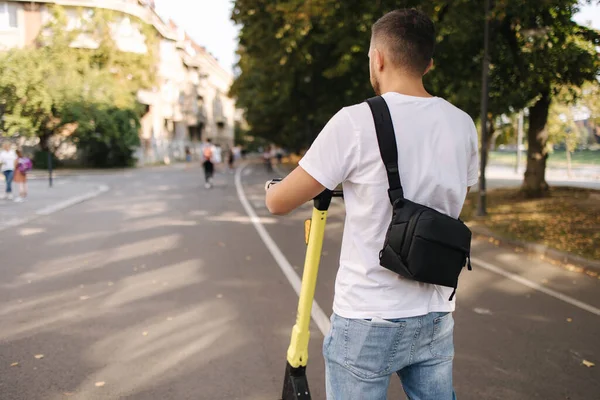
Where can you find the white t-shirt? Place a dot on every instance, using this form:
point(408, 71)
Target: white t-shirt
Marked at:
point(7, 159)
point(438, 160)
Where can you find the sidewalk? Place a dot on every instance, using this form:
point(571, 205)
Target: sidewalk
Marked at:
point(578, 173)
point(43, 200)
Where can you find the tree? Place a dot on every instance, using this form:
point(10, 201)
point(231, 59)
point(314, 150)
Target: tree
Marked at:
point(59, 90)
point(108, 136)
point(302, 61)
point(536, 49)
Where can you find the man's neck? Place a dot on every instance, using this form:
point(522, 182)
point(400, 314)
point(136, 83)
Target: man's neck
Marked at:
point(409, 87)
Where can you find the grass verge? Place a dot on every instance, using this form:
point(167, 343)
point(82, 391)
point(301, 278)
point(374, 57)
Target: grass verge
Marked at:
point(568, 219)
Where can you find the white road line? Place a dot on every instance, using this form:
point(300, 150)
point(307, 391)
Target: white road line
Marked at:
point(72, 201)
point(535, 286)
point(318, 315)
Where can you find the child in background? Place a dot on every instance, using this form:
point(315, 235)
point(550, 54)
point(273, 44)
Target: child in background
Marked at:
point(22, 166)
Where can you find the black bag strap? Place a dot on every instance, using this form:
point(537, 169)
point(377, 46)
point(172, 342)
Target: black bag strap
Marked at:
point(386, 138)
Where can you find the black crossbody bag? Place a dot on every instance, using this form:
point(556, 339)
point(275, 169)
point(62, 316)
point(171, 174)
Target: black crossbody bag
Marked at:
point(421, 243)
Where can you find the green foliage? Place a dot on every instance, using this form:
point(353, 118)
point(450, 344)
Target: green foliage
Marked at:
point(25, 100)
point(562, 128)
point(302, 61)
point(40, 160)
point(109, 135)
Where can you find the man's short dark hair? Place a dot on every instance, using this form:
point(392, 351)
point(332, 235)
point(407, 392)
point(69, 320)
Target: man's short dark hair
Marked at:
point(409, 36)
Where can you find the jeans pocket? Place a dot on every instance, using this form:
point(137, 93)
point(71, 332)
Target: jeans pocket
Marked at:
point(370, 347)
point(442, 339)
point(329, 337)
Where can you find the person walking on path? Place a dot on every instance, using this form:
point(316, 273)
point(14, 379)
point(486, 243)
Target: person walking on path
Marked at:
point(208, 154)
point(8, 157)
point(230, 159)
point(22, 166)
point(382, 322)
point(267, 158)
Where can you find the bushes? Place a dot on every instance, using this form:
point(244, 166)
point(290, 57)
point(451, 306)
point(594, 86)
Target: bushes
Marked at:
point(40, 160)
point(108, 136)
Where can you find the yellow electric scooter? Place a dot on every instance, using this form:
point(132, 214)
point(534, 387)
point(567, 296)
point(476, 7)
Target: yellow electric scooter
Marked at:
point(295, 384)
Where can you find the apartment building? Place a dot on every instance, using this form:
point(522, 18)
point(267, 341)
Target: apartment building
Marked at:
point(189, 101)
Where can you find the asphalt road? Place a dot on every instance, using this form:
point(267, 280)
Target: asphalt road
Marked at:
point(160, 289)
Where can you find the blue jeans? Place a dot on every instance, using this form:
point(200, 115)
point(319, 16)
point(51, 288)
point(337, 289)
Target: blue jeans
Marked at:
point(8, 176)
point(361, 355)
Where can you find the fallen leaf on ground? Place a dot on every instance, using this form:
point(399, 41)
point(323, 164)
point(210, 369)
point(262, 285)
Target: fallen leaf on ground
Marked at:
point(110, 283)
point(14, 364)
point(219, 296)
point(588, 364)
point(569, 319)
point(482, 311)
point(145, 333)
point(544, 280)
point(100, 384)
point(39, 356)
point(84, 297)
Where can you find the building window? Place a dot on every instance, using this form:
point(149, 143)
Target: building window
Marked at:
point(8, 15)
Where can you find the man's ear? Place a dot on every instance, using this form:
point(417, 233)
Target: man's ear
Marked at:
point(379, 59)
point(429, 66)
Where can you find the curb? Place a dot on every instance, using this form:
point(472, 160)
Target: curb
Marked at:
point(56, 207)
point(538, 249)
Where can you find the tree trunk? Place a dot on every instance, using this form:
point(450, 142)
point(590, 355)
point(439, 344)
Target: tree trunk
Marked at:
point(534, 183)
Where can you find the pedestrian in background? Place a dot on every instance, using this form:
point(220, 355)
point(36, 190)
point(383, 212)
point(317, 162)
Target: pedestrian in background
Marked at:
point(267, 155)
point(22, 166)
point(230, 158)
point(8, 157)
point(208, 153)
